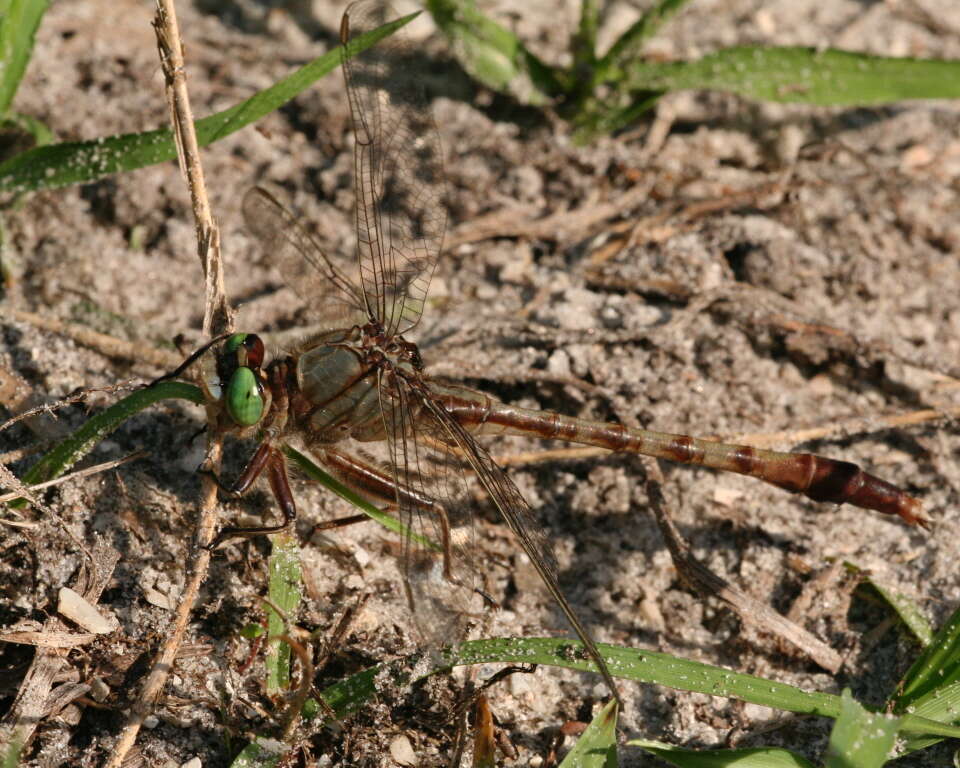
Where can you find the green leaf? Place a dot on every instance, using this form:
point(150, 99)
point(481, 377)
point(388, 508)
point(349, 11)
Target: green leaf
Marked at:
point(80, 443)
point(19, 133)
point(860, 738)
point(756, 757)
point(348, 695)
point(19, 20)
point(13, 747)
point(585, 42)
point(595, 121)
point(937, 667)
point(630, 43)
point(649, 667)
point(908, 611)
point(252, 631)
point(78, 162)
point(284, 592)
point(492, 54)
point(803, 75)
point(940, 704)
point(597, 746)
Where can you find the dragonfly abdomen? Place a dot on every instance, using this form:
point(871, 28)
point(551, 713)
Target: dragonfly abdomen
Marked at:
point(816, 477)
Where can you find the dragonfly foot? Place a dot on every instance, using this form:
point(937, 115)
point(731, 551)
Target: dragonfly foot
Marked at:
point(205, 470)
point(232, 532)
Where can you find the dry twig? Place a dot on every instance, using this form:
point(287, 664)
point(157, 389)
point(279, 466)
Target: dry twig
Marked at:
point(708, 584)
point(217, 318)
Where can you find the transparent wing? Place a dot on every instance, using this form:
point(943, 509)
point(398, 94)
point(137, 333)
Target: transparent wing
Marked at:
point(434, 418)
point(398, 171)
point(432, 496)
point(324, 286)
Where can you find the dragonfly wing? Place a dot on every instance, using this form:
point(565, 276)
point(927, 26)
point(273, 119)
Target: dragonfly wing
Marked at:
point(398, 171)
point(512, 506)
point(431, 493)
point(322, 284)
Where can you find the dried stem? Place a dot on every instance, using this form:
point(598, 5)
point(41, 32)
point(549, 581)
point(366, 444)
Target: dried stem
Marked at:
point(708, 584)
point(217, 319)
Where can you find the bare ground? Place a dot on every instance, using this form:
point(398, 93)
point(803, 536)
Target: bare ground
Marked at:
point(664, 315)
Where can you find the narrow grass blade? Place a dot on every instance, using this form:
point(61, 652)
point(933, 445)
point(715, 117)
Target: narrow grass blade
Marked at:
point(314, 472)
point(630, 43)
point(756, 757)
point(19, 20)
point(585, 42)
point(597, 746)
point(285, 594)
point(802, 75)
point(908, 611)
point(648, 667)
point(937, 667)
point(860, 738)
point(11, 757)
point(942, 705)
point(591, 124)
point(58, 165)
point(348, 695)
point(81, 442)
point(493, 54)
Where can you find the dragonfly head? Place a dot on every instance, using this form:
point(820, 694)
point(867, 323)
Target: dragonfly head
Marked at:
point(239, 369)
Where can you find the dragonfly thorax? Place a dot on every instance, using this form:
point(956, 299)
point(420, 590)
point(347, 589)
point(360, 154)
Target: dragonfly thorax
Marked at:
point(338, 380)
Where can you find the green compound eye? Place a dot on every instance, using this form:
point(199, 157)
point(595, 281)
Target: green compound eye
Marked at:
point(244, 403)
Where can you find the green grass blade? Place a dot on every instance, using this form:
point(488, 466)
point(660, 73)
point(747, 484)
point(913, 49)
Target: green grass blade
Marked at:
point(860, 738)
point(81, 442)
point(285, 594)
point(937, 667)
point(596, 121)
point(19, 20)
point(755, 757)
point(493, 54)
point(58, 165)
point(585, 42)
point(314, 472)
point(942, 705)
point(802, 75)
point(649, 667)
point(908, 611)
point(597, 746)
point(630, 43)
point(348, 695)
point(13, 747)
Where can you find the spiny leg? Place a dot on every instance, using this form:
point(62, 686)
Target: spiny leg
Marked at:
point(377, 485)
point(268, 458)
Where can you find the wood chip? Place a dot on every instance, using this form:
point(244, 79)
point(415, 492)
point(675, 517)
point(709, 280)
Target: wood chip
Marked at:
point(72, 606)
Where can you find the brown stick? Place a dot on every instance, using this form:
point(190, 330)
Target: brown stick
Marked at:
point(216, 319)
point(107, 345)
point(706, 583)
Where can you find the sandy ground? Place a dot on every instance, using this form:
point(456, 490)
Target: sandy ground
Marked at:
point(663, 315)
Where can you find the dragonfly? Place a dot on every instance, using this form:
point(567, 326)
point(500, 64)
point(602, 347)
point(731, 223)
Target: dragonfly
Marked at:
point(357, 395)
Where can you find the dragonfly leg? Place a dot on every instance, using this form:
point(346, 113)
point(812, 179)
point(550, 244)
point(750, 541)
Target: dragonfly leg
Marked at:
point(381, 487)
point(340, 522)
point(266, 458)
point(250, 473)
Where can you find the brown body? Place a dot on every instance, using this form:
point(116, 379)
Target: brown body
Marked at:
point(330, 392)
